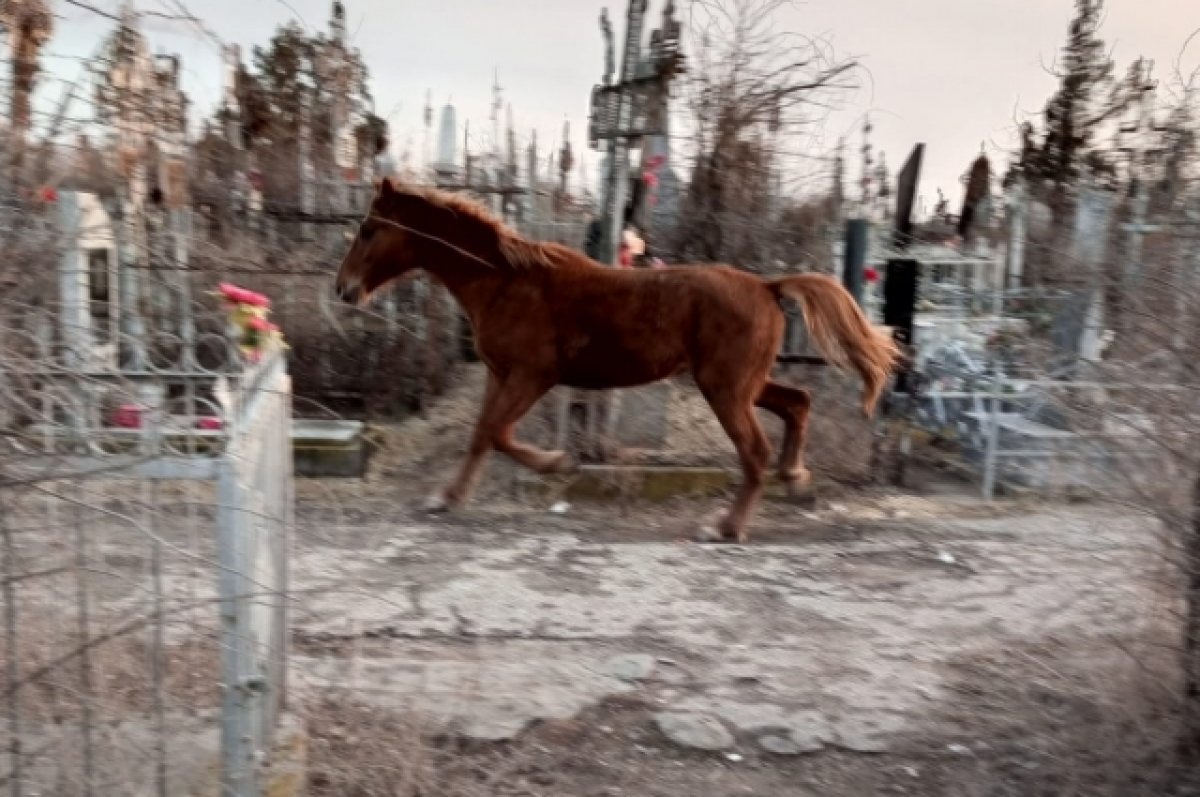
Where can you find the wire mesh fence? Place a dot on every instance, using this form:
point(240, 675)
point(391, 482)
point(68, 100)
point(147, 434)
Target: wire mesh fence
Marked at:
point(145, 494)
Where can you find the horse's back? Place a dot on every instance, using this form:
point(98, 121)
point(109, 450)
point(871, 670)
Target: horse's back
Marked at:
point(619, 328)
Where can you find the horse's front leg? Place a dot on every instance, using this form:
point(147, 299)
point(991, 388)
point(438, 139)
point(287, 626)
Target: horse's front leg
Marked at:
point(505, 403)
point(459, 489)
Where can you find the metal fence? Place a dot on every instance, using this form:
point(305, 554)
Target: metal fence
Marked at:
point(145, 509)
point(568, 233)
point(1059, 435)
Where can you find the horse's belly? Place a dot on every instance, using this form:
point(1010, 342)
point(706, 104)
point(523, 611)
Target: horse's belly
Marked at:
point(606, 366)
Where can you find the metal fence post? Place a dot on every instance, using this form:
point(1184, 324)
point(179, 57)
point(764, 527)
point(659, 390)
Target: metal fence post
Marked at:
point(12, 653)
point(993, 441)
point(254, 492)
point(237, 755)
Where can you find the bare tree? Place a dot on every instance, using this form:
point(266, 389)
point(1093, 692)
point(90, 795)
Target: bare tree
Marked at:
point(751, 86)
point(29, 24)
point(1147, 409)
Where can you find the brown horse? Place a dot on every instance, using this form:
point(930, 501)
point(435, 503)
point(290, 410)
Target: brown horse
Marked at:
point(546, 315)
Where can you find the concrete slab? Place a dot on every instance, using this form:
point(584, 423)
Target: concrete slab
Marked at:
point(839, 629)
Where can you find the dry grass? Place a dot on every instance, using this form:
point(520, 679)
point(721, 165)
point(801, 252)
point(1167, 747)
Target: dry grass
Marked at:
point(1059, 731)
point(359, 751)
point(425, 450)
point(120, 676)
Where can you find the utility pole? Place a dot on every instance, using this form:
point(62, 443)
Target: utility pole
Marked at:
point(630, 109)
point(531, 169)
point(617, 171)
point(1141, 157)
point(867, 162)
point(566, 162)
point(497, 161)
point(426, 157)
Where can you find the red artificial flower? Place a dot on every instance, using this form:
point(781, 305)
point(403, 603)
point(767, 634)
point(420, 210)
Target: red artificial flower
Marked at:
point(871, 274)
point(128, 416)
point(209, 423)
point(48, 193)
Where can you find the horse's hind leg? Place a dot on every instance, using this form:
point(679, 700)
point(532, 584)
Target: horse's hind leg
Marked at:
point(792, 405)
point(536, 459)
point(504, 403)
point(737, 417)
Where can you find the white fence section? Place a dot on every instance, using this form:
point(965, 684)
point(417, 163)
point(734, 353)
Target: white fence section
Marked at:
point(254, 498)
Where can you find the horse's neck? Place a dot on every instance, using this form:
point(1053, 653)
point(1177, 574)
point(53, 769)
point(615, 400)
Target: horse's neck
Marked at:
point(471, 282)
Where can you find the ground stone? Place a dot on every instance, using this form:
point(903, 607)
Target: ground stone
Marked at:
point(698, 731)
point(790, 744)
point(862, 739)
point(493, 727)
point(631, 667)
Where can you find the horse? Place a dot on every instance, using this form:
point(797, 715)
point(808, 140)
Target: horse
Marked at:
point(544, 314)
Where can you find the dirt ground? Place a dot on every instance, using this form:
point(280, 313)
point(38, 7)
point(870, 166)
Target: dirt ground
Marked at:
point(868, 642)
point(876, 643)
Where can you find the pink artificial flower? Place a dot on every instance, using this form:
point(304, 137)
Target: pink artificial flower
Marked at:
point(239, 295)
point(209, 423)
point(232, 292)
point(256, 299)
point(260, 324)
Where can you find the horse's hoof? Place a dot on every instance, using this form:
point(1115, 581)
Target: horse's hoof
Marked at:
point(794, 480)
point(436, 505)
point(711, 534)
point(561, 463)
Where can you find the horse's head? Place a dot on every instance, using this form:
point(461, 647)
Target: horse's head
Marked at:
point(380, 251)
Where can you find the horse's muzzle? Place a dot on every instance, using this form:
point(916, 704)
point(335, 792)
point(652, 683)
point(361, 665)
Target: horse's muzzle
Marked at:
point(351, 294)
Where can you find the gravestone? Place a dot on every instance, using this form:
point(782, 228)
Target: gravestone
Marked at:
point(590, 423)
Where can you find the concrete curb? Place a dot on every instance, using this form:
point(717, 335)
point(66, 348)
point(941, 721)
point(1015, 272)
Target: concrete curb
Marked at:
point(645, 482)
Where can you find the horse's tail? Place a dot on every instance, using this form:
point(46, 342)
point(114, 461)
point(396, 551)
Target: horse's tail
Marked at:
point(841, 330)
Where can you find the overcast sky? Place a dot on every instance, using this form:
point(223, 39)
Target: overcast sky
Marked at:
point(950, 73)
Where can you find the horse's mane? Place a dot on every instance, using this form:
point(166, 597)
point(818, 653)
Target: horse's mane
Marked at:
point(518, 251)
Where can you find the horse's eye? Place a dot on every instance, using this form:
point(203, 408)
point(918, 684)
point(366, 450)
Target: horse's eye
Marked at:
point(364, 232)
